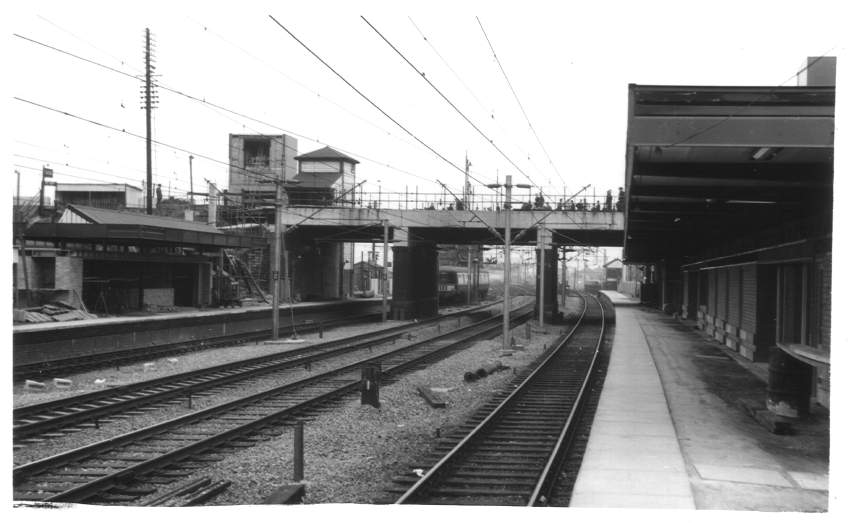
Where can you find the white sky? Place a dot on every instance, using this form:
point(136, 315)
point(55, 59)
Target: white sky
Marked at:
point(570, 67)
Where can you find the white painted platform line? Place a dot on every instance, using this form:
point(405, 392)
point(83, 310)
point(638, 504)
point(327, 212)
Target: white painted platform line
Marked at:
point(633, 459)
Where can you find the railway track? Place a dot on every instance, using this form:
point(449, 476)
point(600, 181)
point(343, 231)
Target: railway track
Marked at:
point(129, 467)
point(60, 417)
point(514, 454)
point(100, 360)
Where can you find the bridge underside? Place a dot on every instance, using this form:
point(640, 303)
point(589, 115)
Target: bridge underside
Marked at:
point(313, 246)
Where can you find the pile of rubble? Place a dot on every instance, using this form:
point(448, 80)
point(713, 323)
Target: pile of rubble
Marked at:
point(55, 311)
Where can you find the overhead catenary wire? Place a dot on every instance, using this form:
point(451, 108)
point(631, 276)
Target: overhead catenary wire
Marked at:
point(371, 102)
point(469, 90)
point(516, 97)
point(295, 81)
point(70, 166)
point(446, 99)
point(129, 133)
point(228, 110)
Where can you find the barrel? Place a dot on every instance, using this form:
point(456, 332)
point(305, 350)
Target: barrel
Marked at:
point(789, 385)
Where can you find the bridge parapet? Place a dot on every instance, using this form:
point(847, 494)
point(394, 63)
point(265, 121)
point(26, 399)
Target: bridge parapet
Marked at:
point(569, 227)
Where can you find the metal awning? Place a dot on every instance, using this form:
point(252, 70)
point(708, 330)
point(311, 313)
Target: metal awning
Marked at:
point(705, 165)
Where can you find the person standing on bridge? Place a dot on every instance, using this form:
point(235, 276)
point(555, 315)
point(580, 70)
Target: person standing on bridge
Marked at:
point(608, 201)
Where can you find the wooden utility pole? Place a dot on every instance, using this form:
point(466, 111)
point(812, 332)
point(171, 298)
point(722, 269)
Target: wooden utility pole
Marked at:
point(147, 104)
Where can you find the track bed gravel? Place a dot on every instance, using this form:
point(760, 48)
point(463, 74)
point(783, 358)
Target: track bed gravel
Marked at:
point(351, 451)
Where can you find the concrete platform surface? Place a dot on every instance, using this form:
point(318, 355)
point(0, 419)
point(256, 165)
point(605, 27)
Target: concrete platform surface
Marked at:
point(676, 428)
point(620, 300)
point(188, 312)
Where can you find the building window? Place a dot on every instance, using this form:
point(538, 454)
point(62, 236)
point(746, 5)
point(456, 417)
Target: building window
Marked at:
point(257, 152)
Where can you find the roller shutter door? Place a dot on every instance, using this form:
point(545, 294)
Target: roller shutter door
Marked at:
point(749, 293)
point(734, 290)
point(712, 293)
point(722, 306)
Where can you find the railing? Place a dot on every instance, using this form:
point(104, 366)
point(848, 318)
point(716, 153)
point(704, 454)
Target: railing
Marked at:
point(492, 201)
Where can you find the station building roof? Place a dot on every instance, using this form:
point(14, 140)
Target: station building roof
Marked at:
point(89, 224)
point(708, 164)
point(325, 153)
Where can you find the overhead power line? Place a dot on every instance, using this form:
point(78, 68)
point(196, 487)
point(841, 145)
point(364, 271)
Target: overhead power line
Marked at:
point(489, 112)
point(258, 175)
point(534, 132)
point(444, 97)
point(376, 106)
point(228, 110)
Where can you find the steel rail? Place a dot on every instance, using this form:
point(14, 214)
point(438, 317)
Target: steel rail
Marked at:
point(553, 464)
point(150, 391)
point(99, 485)
point(491, 419)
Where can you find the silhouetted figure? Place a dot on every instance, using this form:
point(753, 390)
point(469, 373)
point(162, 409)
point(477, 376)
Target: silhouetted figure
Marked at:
point(539, 202)
point(608, 199)
point(158, 194)
point(621, 200)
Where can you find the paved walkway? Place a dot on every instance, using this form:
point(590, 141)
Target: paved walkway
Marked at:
point(633, 457)
point(674, 429)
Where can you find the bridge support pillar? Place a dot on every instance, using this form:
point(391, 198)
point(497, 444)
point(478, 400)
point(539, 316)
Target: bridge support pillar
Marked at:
point(415, 278)
point(315, 270)
point(550, 284)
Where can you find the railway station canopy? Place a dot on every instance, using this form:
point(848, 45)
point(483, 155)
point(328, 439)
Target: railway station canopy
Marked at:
point(710, 165)
point(89, 224)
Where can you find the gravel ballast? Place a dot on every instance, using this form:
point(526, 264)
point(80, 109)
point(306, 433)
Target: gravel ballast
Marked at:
point(352, 451)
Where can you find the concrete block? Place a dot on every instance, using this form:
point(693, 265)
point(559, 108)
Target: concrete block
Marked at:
point(747, 351)
point(62, 383)
point(811, 481)
point(34, 385)
point(163, 297)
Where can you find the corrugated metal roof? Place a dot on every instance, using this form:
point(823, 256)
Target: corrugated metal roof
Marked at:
point(95, 187)
point(326, 153)
point(107, 217)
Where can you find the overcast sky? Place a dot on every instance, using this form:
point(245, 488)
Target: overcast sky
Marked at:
point(570, 69)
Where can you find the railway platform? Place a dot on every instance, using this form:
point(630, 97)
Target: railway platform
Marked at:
point(676, 427)
point(621, 300)
point(54, 341)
